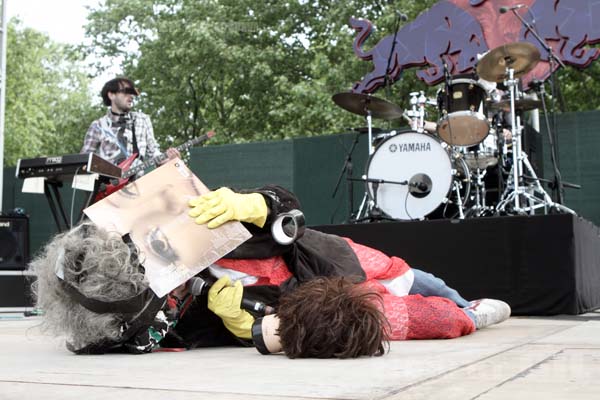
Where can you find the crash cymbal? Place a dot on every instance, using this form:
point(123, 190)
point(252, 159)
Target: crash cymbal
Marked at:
point(361, 104)
point(520, 56)
point(520, 104)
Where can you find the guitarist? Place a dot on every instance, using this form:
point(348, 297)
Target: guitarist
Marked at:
point(121, 132)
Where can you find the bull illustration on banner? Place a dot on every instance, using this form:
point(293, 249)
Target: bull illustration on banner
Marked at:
point(455, 32)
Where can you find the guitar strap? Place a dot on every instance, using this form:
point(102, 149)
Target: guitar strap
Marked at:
point(134, 139)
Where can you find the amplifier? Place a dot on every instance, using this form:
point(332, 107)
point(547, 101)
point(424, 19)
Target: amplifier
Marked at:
point(15, 291)
point(14, 242)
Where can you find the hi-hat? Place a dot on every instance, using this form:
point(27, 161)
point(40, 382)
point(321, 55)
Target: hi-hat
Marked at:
point(520, 104)
point(363, 104)
point(522, 57)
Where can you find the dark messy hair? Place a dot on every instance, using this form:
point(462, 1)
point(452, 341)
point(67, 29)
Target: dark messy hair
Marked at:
point(113, 86)
point(332, 317)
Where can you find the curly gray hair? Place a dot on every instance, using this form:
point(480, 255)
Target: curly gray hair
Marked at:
point(101, 266)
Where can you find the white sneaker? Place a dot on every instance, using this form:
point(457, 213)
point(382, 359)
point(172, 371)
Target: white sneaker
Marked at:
point(488, 312)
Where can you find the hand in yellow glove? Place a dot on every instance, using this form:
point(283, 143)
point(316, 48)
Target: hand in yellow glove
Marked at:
point(224, 300)
point(224, 205)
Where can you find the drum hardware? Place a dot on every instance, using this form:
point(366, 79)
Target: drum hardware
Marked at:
point(461, 183)
point(478, 159)
point(479, 207)
point(348, 167)
point(516, 59)
point(459, 202)
point(370, 107)
point(365, 104)
point(552, 132)
point(416, 116)
point(369, 211)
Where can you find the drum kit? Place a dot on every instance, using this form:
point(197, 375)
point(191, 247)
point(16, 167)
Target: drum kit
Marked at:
point(441, 170)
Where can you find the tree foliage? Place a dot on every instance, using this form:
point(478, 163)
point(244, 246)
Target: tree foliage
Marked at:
point(48, 107)
point(251, 70)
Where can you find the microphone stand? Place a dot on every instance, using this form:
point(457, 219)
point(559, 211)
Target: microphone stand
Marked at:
point(558, 188)
point(447, 95)
point(539, 88)
point(375, 213)
point(348, 170)
point(386, 81)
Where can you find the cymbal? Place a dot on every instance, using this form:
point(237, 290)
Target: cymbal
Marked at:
point(520, 104)
point(362, 104)
point(520, 56)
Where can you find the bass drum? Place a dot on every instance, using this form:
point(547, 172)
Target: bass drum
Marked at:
point(409, 175)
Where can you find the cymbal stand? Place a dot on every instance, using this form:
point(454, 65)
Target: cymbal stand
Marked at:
point(552, 133)
point(516, 189)
point(365, 205)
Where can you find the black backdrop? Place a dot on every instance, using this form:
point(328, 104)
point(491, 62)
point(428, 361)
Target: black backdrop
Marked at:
point(540, 265)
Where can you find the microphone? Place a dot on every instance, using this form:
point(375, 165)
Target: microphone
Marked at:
point(198, 286)
point(420, 185)
point(505, 9)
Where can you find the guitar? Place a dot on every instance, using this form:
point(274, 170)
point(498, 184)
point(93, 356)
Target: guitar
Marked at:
point(117, 184)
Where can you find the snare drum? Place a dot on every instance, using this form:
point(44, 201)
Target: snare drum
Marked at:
point(485, 155)
point(462, 107)
point(417, 174)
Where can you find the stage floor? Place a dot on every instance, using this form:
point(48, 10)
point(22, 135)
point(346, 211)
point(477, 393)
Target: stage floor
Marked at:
point(524, 358)
point(540, 265)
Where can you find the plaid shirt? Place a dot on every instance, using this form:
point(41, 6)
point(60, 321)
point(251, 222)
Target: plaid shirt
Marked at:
point(101, 137)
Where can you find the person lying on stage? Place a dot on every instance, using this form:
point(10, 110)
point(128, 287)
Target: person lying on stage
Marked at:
point(334, 317)
point(91, 285)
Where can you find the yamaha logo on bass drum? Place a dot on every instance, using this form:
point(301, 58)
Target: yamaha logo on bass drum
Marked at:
point(410, 147)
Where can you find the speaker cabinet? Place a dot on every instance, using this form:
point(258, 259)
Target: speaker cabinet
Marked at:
point(14, 242)
point(15, 291)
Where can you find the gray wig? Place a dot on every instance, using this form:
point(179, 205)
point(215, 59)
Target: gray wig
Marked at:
point(101, 266)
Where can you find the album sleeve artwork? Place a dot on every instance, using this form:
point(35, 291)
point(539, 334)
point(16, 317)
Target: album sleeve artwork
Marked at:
point(153, 211)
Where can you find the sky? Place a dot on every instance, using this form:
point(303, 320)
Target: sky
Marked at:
point(62, 20)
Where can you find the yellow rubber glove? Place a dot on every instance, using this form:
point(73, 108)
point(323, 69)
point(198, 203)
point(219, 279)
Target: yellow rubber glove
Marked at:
point(224, 205)
point(224, 300)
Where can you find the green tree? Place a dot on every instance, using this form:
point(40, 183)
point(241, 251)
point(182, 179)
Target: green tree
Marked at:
point(580, 88)
point(254, 70)
point(48, 107)
point(251, 70)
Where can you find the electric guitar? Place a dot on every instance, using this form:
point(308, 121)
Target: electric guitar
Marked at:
point(116, 184)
